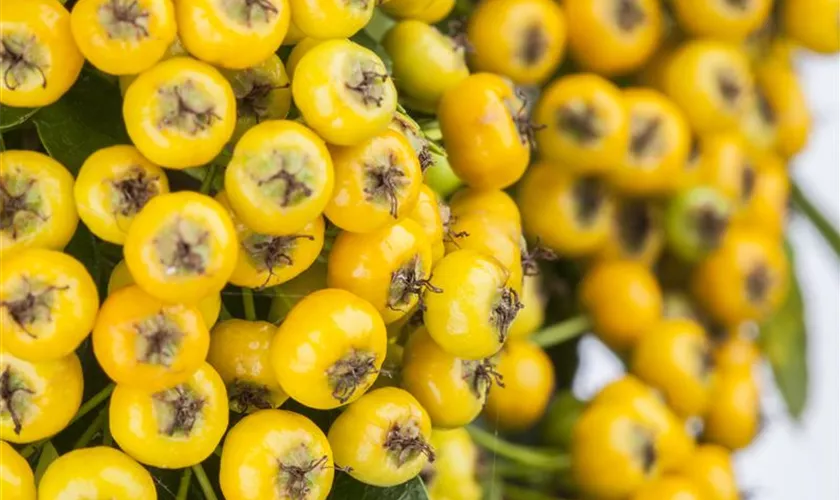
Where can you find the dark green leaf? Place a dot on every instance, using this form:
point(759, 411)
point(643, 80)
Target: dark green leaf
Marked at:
point(784, 342)
point(14, 117)
point(85, 119)
point(48, 456)
point(347, 488)
point(367, 41)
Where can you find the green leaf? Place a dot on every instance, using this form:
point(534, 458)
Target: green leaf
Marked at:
point(347, 488)
point(48, 456)
point(14, 117)
point(784, 342)
point(379, 24)
point(85, 119)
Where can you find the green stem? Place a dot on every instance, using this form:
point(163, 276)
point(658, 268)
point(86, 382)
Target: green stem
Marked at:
point(184, 485)
point(92, 429)
point(207, 183)
point(204, 482)
point(248, 304)
point(561, 332)
point(94, 402)
point(31, 448)
point(519, 453)
point(824, 226)
point(514, 492)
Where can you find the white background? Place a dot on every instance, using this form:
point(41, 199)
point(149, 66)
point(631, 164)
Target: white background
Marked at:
point(791, 461)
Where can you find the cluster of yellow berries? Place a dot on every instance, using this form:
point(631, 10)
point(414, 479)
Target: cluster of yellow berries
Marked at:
point(401, 306)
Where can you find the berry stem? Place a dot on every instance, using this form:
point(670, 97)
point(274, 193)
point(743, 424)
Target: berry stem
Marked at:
point(207, 182)
point(204, 482)
point(248, 304)
point(561, 332)
point(545, 460)
point(92, 429)
point(92, 403)
point(184, 485)
point(824, 226)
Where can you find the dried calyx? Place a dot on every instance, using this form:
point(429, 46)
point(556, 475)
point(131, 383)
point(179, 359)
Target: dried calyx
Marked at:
point(158, 340)
point(14, 395)
point(456, 30)
point(179, 410)
point(270, 252)
point(294, 478)
point(765, 110)
point(504, 311)
point(351, 372)
point(532, 257)
point(22, 62)
point(646, 448)
point(629, 15)
point(124, 19)
point(19, 205)
point(646, 139)
point(33, 302)
point(758, 283)
point(518, 109)
point(710, 225)
point(408, 282)
point(250, 12)
point(534, 44)
point(481, 375)
point(729, 87)
point(588, 194)
point(133, 191)
point(186, 108)
point(255, 100)
point(184, 248)
point(635, 223)
point(283, 176)
point(747, 182)
point(580, 120)
point(448, 220)
point(245, 396)
point(383, 182)
point(405, 442)
point(367, 82)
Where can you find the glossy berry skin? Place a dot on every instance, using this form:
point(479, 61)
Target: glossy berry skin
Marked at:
point(98, 472)
point(280, 177)
point(746, 278)
point(587, 126)
point(427, 63)
point(37, 32)
point(568, 213)
point(669, 488)
point(613, 38)
point(613, 452)
point(722, 20)
point(16, 478)
point(112, 186)
point(711, 469)
point(330, 19)
point(733, 418)
point(471, 315)
point(348, 108)
point(46, 216)
point(240, 353)
point(168, 224)
point(452, 390)
point(259, 442)
point(383, 437)
point(144, 343)
point(210, 306)
point(610, 291)
point(263, 92)
point(812, 24)
point(180, 113)
point(524, 40)
point(485, 130)
point(42, 397)
point(48, 304)
point(174, 428)
point(388, 267)
point(675, 357)
point(217, 33)
point(377, 183)
point(528, 377)
point(121, 38)
point(673, 443)
point(328, 349)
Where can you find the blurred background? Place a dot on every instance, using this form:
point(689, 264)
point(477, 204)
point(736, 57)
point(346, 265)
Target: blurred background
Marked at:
point(791, 459)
